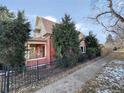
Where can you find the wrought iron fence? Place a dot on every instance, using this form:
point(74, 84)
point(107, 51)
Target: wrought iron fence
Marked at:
point(13, 78)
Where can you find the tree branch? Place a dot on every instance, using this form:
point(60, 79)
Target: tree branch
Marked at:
point(97, 17)
point(113, 31)
point(114, 12)
point(120, 27)
point(115, 23)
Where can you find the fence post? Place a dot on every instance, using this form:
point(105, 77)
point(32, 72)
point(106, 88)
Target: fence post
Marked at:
point(37, 71)
point(6, 79)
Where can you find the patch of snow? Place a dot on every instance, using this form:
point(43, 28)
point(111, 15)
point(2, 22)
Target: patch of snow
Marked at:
point(118, 62)
point(104, 91)
point(112, 75)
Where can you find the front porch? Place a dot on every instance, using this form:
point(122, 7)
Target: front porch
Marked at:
point(36, 53)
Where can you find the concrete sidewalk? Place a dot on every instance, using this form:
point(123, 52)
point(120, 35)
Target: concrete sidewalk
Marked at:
point(74, 81)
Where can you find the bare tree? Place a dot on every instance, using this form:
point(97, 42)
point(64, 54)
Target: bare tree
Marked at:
point(110, 14)
point(119, 37)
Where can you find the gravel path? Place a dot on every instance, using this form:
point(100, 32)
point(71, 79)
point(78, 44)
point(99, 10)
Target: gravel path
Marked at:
point(74, 81)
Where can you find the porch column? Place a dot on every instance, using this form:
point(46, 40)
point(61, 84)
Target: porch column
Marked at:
point(48, 49)
point(45, 50)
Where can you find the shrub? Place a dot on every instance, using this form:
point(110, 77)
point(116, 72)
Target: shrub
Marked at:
point(67, 61)
point(98, 52)
point(91, 52)
point(115, 48)
point(82, 57)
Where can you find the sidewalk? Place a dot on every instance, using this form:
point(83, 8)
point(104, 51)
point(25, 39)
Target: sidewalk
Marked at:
point(74, 81)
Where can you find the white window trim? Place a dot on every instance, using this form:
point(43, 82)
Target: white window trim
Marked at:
point(84, 49)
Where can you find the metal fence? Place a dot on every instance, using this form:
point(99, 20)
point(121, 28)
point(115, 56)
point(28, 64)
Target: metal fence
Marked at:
point(16, 77)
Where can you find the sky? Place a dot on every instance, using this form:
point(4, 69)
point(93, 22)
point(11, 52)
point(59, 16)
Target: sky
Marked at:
point(54, 10)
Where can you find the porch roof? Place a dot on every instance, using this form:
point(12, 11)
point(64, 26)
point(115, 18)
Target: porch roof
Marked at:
point(36, 41)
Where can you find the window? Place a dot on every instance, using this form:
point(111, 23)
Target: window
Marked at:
point(83, 49)
point(1, 66)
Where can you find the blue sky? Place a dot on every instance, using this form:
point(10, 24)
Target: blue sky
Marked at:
point(55, 10)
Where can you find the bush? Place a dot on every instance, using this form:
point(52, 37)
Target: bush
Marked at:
point(115, 48)
point(98, 52)
point(82, 57)
point(20, 68)
point(64, 62)
point(68, 61)
point(91, 52)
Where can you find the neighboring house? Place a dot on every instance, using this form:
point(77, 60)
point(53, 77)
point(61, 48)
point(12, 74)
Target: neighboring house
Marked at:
point(40, 48)
point(82, 43)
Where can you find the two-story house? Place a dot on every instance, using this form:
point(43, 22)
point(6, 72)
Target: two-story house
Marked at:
point(40, 49)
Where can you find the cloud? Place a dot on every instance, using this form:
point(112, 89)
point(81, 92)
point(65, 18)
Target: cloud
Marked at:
point(82, 28)
point(51, 18)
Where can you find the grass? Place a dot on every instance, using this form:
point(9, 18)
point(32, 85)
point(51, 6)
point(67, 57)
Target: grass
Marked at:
point(121, 49)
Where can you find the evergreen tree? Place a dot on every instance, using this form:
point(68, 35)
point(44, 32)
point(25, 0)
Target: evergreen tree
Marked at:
point(6, 44)
point(14, 32)
point(21, 33)
point(91, 40)
point(66, 42)
point(5, 14)
point(93, 48)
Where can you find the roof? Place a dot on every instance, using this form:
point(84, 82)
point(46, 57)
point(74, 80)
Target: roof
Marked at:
point(37, 39)
point(48, 25)
point(44, 25)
